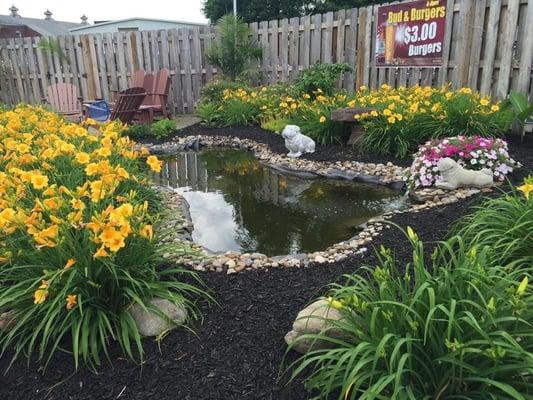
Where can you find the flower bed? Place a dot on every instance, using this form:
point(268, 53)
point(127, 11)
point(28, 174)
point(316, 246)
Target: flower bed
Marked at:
point(470, 152)
point(402, 118)
point(78, 245)
point(408, 117)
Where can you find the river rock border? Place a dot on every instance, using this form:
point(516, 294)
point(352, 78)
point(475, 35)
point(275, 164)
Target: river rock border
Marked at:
point(178, 226)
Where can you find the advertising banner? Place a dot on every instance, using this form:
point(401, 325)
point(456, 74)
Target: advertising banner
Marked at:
point(411, 34)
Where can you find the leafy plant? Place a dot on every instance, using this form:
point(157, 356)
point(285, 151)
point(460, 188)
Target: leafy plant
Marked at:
point(313, 116)
point(233, 50)
point(403, 118)
point(320, 78)
point(464, 117)
point(51, 46)
point(456, 329)
point(162, 128)
point(519, 104)
point(505, 225)
point(138, 131)
point(209, 113)
point(318, 127)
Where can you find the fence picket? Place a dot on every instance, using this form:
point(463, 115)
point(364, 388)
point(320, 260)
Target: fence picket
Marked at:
point(316, 39)
point(294, 48)
point(526, 53)
point(284, 49)
point(508, 37)
point(273, 49)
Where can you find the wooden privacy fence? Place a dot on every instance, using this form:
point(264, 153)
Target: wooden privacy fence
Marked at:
point(488, 46)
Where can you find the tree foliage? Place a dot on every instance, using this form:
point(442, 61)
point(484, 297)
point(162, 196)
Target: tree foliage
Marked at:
point(263, 10)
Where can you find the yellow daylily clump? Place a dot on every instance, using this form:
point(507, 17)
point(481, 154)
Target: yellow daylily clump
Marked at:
point(60, 183)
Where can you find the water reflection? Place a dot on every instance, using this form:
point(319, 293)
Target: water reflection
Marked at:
point(237, 204)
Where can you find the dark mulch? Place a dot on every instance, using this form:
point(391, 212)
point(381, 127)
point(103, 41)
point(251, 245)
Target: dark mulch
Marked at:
point(237, 351)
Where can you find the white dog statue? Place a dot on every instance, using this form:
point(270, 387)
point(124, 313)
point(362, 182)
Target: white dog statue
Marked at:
point(296, 142)
point(454, 176)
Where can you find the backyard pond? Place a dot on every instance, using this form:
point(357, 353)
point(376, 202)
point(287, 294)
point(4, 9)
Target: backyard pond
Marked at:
point(238, 204)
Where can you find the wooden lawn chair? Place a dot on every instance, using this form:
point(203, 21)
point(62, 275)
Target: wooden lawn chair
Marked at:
point(127, 104)
point(155, 103)
point(63, 97)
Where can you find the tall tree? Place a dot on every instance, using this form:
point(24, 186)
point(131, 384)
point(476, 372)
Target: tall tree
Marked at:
point(263, 10)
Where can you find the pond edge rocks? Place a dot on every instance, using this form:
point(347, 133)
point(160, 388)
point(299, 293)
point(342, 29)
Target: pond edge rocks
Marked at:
point(179, 225)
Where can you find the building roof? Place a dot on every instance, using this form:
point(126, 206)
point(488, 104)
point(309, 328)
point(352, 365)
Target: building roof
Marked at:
point(46, 27)
point(82, 27)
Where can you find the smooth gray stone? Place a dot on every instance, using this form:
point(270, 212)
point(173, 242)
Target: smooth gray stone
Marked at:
point(151, 324)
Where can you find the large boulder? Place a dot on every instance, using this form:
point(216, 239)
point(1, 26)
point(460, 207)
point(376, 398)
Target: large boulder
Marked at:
point(313, 319)
point(151, 324)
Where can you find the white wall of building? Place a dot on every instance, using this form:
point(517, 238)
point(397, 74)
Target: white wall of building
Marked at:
point(132, 24)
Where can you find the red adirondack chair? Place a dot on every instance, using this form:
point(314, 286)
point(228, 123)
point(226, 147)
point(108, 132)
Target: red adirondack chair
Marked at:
point(127, 104)
point(63, 97)
point(137, 80)
point(155, 103)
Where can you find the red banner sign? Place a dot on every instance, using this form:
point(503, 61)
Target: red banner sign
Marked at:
point(411, 34)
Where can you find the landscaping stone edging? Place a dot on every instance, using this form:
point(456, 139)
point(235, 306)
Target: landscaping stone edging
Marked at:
point(234, 262)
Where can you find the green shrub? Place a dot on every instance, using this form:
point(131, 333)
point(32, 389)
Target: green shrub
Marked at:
point(163, 128)
point(459, 328)
point(236, 112)
point(214, 91)
point(138, 131)
point(505, 224)
point(160, 129)
point(318, 127)
point(209, 113)
point(320, 78)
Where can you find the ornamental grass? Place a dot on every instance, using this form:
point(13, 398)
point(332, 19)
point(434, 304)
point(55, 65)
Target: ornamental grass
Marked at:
point(457, 326)
point(505, 225)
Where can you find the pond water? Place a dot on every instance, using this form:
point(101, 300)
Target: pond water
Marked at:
point(238, 204)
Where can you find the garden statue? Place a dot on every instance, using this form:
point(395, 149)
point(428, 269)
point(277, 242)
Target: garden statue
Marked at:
point(296, 142)
point(454, 176)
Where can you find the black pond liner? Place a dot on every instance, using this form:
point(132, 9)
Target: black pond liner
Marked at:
point(237, 351)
